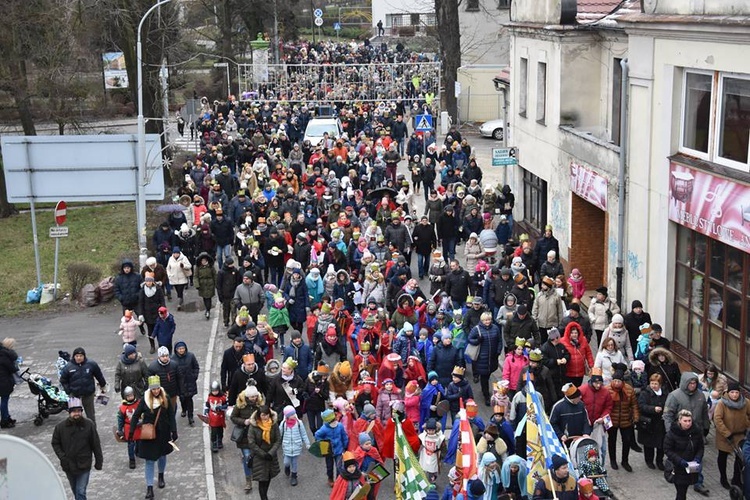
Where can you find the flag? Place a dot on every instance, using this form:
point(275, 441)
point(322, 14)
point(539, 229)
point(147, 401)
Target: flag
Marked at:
point(468, 453)
point(411, 480)
point(541, 440)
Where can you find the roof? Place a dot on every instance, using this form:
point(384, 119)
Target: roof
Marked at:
point(601, 7)
point(607, 11)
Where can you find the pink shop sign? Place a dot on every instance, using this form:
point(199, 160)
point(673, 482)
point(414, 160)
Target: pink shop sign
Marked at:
point(710, 205)
point(589, 185)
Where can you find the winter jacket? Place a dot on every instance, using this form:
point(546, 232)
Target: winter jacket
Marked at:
point(625, 411)
point(652, 433)
point(164, 329)
point(455, 392)
point(633, 322)
point(337, 436)
point(442, 361)
point(473, 251)
point(551, 353)
point(457, 285)
point(622, 341)
point(732, 420)
point(8, 368)
point(128, 286)
point(447, 227)
point(669, 370)
point(146, 413)
point(277, 395)
point(78, 380)
point(512, 368)
point(542, 248)
point(189, 370)
point(205, 281)
point(227, 281)
point(583, 322)
point(681, 446)
point(548, 309)
point(298, 300)
point(303, 355)
point(598, 312)
point(148, 307)
point(500, 290)
point(293, 439)
point(681, 399)
point(169, 375)
point(179, 270)
point(398, 236)
point(525, 328)
point(433, 210)
point(131, 373)
point(316, 401)
point(230, 362)
point(383, 407)
point(570, 419)
point(265, 455)
point(241, 412)
point(542, 383)
point(598, 402)
point(580, 352)
point(438, 273)
point(490, 344)
point(239, 382)
point(405, 346)
point(605, 360)
point(74, 442)
point(424, 238)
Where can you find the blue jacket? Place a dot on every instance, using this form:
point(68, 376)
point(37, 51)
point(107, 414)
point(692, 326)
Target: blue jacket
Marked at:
point(78, 380)
point(298, 310)
point(164, 329)
point(303, 356)
point(491, 343)
point(336, 435)
point(443, 360)
point(569, 419)
point(293, 440)
point(405, 346)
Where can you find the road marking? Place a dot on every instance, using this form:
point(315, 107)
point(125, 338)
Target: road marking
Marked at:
point(207, 453)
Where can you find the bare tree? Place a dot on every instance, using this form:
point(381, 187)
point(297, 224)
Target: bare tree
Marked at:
point(449, 38)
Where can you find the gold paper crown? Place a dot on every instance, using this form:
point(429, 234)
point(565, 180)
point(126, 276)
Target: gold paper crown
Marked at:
point(459, 370)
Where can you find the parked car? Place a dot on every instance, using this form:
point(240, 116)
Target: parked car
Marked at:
point(493, 128)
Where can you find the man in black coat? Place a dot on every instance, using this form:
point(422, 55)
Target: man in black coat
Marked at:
point(555, 358)
point(634, 319)
point(425, 241)
point(223, 232)
point(457, 284)
point(227, 281)
point(398, 132)
point(248, 370)
point(231, 361)
point(127, 286)
point(169, 374)
point(78, 378)
point(447, 232)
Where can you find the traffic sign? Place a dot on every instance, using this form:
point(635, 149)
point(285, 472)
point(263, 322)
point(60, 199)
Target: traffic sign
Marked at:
point(503, 157)
point(337, 26)
point(318, 21)
point(61, 212)
point(423, 123)
point(318, 12)
point(58, 232)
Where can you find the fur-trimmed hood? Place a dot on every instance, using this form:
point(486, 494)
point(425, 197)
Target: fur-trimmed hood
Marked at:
point(653, 356)
point(254, 418)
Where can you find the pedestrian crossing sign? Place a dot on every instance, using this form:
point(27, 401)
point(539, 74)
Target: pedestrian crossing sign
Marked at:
point(423, 123)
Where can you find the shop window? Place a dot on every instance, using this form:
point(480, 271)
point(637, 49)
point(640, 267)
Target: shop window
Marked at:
point(696, 334)
point(715, 348)
point(681, 326)
point(732, 357)
point(523, 83)
point(734, 121)
point(534, 200)
point(717, 261)
point(541, 92)
point(696, 119)
point(682, 294)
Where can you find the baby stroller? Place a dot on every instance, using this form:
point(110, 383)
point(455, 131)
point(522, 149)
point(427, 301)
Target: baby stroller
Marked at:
point(737, 491)
point(51, 400)
point(584, 454)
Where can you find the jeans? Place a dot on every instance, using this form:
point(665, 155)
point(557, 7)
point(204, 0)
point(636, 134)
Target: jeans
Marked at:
point(245, 455)
point(4, 412)
point(510, 223)
point(423, 265)
point(131, 450)
point(291, 462)
point(79, 483)
point(449, 249)
point(401, 147)
point(275, 275)
point(427, 188)
point(222, 252)
point(149, 470)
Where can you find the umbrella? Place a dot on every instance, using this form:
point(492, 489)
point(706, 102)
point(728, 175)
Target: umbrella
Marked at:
point(169, 208)
point(380, 192)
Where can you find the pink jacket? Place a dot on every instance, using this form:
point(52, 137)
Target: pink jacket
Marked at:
point(411, 403)
point(512, 369)
point(128, 329)
point(579, 287)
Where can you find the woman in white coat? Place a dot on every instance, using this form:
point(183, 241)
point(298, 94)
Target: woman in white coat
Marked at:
point(606, 358)
point(179, 271)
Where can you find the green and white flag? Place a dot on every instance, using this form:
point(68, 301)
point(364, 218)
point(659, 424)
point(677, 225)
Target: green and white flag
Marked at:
point(411, 480)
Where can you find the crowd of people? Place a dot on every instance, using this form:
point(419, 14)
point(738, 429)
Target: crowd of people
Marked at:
point(307, 250)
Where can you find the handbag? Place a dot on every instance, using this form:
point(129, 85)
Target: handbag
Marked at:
point(148, 431)
point(668, 471)
point(238, 433)
point(472, 351)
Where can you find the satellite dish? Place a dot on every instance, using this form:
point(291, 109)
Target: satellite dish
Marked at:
point(20, 461)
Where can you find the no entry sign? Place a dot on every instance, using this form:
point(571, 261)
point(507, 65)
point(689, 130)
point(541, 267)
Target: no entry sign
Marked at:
point(61, 212)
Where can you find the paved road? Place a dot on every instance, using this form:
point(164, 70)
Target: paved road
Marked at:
point(40, 337)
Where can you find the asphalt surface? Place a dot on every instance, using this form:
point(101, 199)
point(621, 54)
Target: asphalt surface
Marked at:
point(194, 472)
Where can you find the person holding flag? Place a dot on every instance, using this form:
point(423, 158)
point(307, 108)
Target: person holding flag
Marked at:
point(559, 483)
point(411, 481)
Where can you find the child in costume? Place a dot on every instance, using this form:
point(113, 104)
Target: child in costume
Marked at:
point(638, 376)
point(411, 401)
point(433, 446)
point(368, 456)
point(334, 433)
point(592, 466)
point(643, 344)
point(431, 395)
point(349, 480)
point(278, 314)
point(500, 395)
point(215, 411)
point(124, 414)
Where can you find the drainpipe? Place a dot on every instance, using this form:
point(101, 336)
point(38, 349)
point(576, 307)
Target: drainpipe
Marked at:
point(621, 179)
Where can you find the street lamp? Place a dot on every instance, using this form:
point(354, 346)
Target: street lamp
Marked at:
point(225, 65)
point(140, 203)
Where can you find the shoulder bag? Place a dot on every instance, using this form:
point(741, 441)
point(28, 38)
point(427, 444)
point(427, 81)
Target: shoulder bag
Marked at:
point(148, 431)
point(472, 351)
point(238, 433)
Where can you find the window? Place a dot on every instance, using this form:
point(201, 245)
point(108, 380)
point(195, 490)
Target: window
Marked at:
point(523, 86)
point(472, 5)
point(396, 20)
point(503, 4)
point(534, 200)
point(697, 111)
point(429, 19)
point(616, 99)
point(734, 120)
point(414, 19)
point(541, 92)
point(712, 302)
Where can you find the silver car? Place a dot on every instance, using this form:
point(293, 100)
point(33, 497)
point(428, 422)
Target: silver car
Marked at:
point(493, 128)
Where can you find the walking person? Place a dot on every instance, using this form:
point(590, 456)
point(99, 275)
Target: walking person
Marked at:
point(74, 441)
point(131, 371)
point(189, 369)
point(683, 444)
point(264, 440)
point(127, 286)
point(732, 420)
point(150, 300)
point(78, 378)
point(164, 328)
point(227, 281)
point(169, 373)
point(155, 408)
point(487, 336)
point(179, 271)
point(124, 418)
point(205, 281)
point(624, 415)
point(8, 370)
point(248, 402)
point(651, 431)
point(293, 441)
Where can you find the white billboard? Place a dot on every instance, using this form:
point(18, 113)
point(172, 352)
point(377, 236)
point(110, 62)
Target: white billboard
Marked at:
point(79, 168)
point(115, 71)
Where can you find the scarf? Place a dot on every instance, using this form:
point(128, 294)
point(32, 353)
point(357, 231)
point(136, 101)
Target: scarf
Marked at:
point(734, 405)
point(150, 291)
point(290, 423)
point(265, 426)
point(658, 393)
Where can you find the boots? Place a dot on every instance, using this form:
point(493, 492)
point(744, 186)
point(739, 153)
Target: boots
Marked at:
point(287, 470)
point(149, 492)
point(162, 484)
point(179, 304)
point(131, 463)
point(248, 484)
point(153, 346)
point(724, 481)
point(294, 479)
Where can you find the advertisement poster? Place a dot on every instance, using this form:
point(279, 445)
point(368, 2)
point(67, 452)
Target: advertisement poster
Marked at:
point(711, 205)
point(589, 185)
point(115, 72)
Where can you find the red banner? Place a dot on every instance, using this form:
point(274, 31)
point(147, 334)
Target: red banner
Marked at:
point(711, 205)
point(589, 185)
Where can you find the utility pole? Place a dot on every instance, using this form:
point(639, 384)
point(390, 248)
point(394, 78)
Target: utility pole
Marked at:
point(275, 32)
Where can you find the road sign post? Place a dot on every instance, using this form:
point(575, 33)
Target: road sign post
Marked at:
point(423, 123)
point(61, 214)
point(504, 157)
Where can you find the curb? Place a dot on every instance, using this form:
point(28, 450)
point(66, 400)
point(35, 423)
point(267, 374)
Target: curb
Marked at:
point(207, 455)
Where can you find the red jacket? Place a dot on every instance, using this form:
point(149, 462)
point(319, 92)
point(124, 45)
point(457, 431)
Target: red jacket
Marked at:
point(598, 403)
point(126, 413)
point(216, 415)
point(580, 354)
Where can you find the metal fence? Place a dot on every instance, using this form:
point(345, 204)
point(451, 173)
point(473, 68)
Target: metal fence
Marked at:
point(330, 83)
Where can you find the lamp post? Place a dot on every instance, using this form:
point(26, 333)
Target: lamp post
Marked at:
point(140, 203)
point(225, 65)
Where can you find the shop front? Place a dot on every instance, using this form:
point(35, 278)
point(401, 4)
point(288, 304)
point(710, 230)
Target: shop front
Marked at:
point(712, 269)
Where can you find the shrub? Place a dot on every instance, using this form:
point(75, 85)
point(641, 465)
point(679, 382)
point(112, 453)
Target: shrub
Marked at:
point(81, 273)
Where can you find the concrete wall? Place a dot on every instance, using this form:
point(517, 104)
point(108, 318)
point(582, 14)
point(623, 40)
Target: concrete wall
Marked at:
point(484, 40)
point(697, 7)
point(536, 11)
